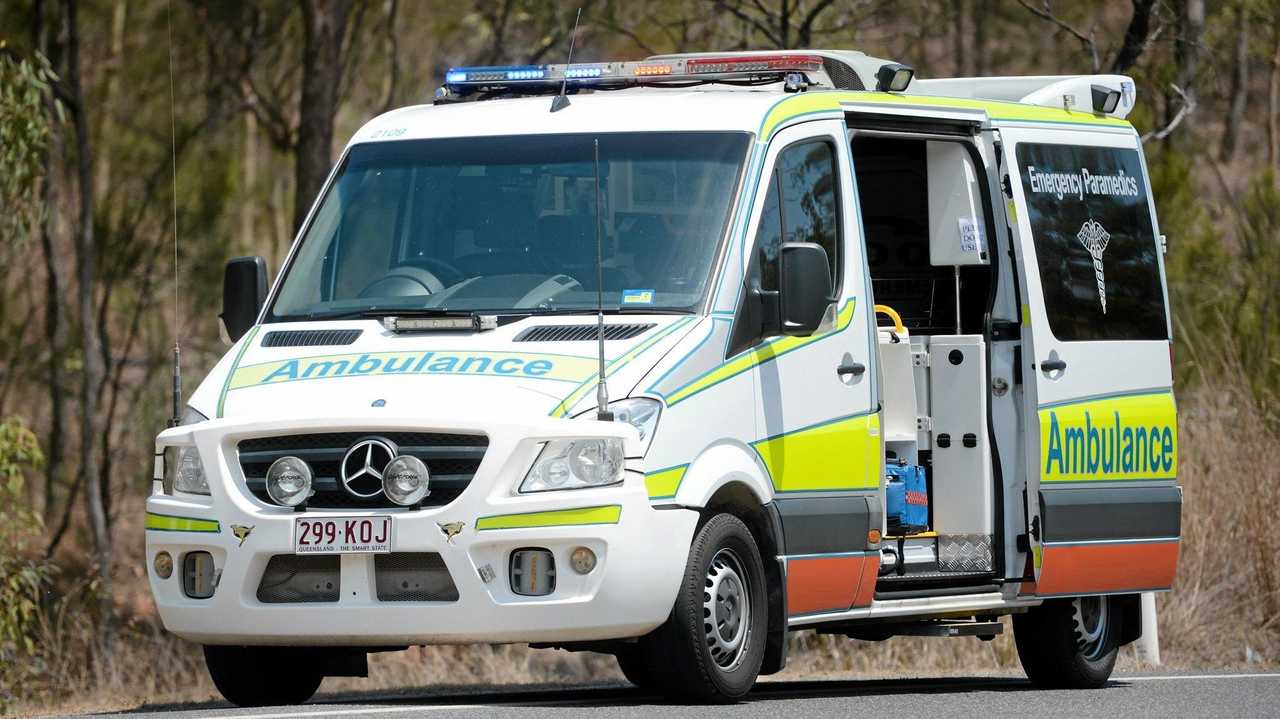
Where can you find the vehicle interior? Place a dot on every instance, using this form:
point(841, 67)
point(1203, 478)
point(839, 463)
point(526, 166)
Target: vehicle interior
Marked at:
point(923, 203)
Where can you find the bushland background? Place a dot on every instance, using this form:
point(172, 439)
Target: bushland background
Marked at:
point(264, 93)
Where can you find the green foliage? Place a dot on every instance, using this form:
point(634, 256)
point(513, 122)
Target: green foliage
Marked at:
point(25, 131)
point(23, 579)
point(1224, 277)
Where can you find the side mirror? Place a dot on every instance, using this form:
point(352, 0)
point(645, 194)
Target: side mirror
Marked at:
point(244, 291)
point(805, 278)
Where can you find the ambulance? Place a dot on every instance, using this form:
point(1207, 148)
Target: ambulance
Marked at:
point(673, 359)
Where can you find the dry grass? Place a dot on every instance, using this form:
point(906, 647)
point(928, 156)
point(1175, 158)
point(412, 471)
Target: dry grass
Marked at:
point(1224, 611)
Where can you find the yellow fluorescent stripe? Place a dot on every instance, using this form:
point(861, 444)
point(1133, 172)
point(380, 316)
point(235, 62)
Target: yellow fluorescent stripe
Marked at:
point(664, 483)
point(843, 454)
point(810, 103)
point(1111, 438)
point(995, 110)
point(760, 355)
point(555, 518)
point(170, 523)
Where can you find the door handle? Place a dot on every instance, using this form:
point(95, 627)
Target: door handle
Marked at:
point(856, 369)
point(1053, 365)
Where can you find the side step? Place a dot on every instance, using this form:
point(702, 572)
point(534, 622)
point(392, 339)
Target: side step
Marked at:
point(951, 629)
point(876, 632)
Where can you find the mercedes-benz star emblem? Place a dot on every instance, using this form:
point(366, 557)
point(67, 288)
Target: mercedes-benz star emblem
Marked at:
point(362, 466)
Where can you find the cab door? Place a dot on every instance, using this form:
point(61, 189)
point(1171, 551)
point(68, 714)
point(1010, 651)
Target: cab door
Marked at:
point(1103, 507)
point(818, 426)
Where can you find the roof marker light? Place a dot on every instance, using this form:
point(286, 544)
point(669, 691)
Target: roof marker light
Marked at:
point(758, 63)
point(647, 70)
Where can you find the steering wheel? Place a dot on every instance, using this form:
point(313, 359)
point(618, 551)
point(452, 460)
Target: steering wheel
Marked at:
point(446, 273)
point(403, 281)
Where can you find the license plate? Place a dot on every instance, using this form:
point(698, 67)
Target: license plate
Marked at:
point(341, 535)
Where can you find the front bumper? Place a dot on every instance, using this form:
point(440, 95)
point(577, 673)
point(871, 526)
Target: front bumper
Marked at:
point(641, 556)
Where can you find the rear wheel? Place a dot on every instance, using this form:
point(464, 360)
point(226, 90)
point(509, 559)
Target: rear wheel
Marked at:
point(262, 676)
point(1069, 643)
point(712, 645)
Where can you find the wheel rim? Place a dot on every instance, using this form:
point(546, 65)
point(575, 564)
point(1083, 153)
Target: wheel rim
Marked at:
point(1091, 626)
point(726, 610)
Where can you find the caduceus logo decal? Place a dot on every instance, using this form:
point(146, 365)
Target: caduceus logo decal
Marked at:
point(1095, 237)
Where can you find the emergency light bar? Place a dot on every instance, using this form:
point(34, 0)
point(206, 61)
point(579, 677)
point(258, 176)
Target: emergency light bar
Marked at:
point(532, 78)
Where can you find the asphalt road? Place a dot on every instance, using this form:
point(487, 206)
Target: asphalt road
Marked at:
point(1164, 696)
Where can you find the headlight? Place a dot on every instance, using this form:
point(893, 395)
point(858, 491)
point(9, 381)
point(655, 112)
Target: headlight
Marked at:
point(639, 412)
point(183, 470)
point(575, 464)
point(289, 481)
point(189, 474)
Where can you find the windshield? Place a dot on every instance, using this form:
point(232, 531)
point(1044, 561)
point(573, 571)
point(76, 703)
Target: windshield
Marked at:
point(508, 224)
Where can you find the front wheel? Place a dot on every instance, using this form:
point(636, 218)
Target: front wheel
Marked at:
point(1069, 643)
point(262, 676)
point(712, 645)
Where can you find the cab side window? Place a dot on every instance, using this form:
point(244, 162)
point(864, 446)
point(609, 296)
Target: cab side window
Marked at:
point(801, 207)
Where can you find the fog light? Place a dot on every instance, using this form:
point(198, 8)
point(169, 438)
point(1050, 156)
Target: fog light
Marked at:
point(582, 560)
point(198, 576)
point(533, 572)
point(405, 480)
point(289, 481)
point(163, 565)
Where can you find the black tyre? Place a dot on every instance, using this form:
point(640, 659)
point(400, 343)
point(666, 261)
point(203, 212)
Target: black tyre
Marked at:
point(711, 647)
point(1069, 643)
point(262, 676)
point(635, 667)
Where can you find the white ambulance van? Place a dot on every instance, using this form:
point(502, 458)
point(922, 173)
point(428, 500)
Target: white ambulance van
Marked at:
point(670, 359)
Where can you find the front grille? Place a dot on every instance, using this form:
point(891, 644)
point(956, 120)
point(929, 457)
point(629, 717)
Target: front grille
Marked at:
point(291, 579)
point(451, 458)
point(413, 577)
point(581, 333)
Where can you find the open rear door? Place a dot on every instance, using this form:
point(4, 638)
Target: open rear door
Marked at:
point(1103, 505)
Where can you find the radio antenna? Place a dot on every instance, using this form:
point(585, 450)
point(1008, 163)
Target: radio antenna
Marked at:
point(176, 418)
point(602, 388)
point(561, 101)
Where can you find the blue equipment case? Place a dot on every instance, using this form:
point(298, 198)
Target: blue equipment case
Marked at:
point(907, 498)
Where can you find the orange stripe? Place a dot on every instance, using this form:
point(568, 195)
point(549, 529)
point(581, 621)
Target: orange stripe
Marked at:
point(831, 584)
point(1092, 568)
point(870, 573)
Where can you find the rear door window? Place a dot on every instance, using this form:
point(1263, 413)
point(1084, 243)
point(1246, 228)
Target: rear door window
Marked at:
point(1095, 246)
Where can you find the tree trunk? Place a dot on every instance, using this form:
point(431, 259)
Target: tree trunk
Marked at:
point(55, 317)
point(1239, 86)
point(957, 36)
point(1135, 36)
point(324, 25)
point(110, 86)
point(249, 176)
point(1187, 51)
point(91, 376)
point(1273, 103)
point(979, 18)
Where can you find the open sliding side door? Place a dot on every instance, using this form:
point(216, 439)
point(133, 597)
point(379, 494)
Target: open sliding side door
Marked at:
point(1103, 506)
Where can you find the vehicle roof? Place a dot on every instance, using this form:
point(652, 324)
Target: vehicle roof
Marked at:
point(707, 108)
